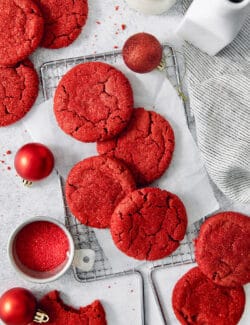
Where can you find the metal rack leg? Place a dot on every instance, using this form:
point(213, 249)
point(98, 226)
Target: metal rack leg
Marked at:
point(156, 296)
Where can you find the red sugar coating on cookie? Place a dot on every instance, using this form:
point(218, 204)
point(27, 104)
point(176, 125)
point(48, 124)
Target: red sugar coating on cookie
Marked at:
point(41, 246)
point(94, 187)
point(148, 224)
point(222, 249)
point(93, 101)
point(18, 92)
point(142, 52)
point(146, 146)
point(21, 30)
point(62, 314)
point(197, 300)
point(63, 21)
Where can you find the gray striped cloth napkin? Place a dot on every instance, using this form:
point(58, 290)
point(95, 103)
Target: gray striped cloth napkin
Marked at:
point(219, 92)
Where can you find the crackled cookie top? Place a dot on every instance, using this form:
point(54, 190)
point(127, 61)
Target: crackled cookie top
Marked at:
point(146, 146)
point(18, 91)
point(222, 249)
point(63, 21)
point(197, 300)
point(94, 187)
point(148, 224)
point(93, 101)
point(62, 314)
point(21, 30)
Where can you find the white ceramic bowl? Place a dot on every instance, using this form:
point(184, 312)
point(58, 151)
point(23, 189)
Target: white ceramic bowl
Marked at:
point(35, 276)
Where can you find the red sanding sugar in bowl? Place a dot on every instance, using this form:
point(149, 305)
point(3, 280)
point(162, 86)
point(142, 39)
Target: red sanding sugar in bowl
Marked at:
point(41, 246)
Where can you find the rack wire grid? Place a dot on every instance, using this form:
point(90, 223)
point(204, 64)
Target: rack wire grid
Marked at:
point(84, 237)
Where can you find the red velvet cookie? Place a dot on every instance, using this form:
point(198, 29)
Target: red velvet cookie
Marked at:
point(93, 101)
point(197, 300)
point(142, 52)
point(146, 146)
point(222, 249)
point(18, 91)
point(148, 224)
point(62, 314)
point(21, 30)
point(94, 187)
point(63, 21)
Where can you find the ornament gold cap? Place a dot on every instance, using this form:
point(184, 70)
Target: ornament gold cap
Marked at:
point(27, 183)
point(162, 65)
point(40, 317)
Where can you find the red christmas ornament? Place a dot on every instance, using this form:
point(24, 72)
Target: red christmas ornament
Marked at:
point(142, 52)
point(34, 161)
point(18, 307)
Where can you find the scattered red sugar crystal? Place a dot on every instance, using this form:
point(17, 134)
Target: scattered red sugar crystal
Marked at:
point(115, 47)
point(98, 22)
point(123, 26)
point(41, 246)
point(8, 152)
point(116, 8)
point(9, 168)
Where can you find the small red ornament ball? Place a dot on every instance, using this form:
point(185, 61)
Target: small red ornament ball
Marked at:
point(34, 161)
point(17, 307)
point(142, 52)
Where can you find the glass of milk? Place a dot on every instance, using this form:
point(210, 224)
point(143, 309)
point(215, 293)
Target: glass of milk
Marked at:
point(151, 7)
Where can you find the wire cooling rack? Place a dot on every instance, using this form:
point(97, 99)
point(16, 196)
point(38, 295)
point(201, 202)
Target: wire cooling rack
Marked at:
point(84, 237)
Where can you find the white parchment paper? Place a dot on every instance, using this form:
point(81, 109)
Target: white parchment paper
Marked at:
point(185, 177)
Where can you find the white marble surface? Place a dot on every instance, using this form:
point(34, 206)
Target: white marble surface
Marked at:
point(120, 298)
